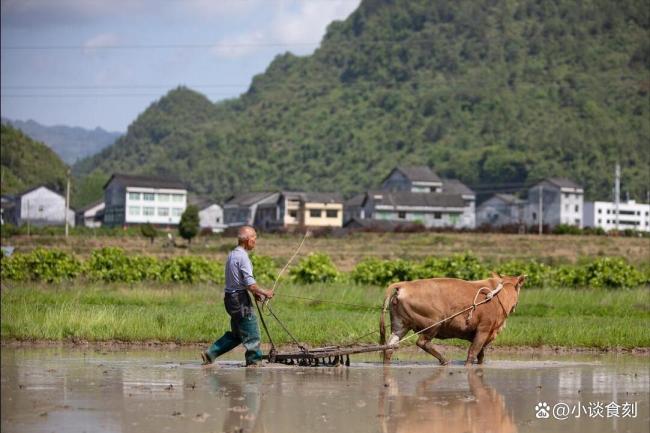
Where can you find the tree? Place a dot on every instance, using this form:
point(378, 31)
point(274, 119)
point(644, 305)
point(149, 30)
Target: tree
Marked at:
point(189, 225)
point(148, 231)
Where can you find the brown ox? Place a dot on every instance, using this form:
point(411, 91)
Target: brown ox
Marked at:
point(417, 305)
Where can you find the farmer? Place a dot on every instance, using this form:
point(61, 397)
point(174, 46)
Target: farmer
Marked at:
point(243, 324)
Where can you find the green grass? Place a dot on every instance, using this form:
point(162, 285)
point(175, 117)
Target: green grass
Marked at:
point(558, 317)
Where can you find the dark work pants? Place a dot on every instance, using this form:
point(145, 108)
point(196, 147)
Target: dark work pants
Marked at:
point(243, 329)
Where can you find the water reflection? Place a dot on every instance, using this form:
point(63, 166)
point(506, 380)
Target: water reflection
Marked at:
point(244, 399)
point(444, 402)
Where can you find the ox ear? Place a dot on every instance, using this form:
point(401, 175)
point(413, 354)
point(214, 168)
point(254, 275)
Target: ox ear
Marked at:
point(496, 275)
point(520, 280)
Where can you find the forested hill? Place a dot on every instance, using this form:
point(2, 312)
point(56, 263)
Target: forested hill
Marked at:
point(491, 92)
point(27, 163)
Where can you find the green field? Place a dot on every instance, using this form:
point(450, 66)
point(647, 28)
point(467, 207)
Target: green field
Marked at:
point(348, 313)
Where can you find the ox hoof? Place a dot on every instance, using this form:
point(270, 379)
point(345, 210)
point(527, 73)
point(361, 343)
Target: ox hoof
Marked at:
point(444, 363)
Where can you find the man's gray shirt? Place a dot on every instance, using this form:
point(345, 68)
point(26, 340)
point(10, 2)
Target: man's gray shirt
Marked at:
point(239, 271)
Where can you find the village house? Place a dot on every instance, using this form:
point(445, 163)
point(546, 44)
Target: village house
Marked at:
point(415, 195)
point(41, 206)
point(631, 215)
point(562, 203)
point(242, 209)
point(135, 199)
point(500, 210)
point(210, 214)
point(302, 209)
point(91, 215)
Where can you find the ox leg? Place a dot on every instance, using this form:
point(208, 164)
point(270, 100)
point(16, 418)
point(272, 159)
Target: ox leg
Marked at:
point(426, 345)
point(481, 355)
point(476, 348)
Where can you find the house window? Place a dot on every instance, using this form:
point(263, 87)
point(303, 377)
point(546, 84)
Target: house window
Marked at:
point(314, 213)
point(566, 207)
point(147, 196)
point(134, 210)
point(134, 196)
point(293, 213)
point(437, 215)
point(566, 195)
point(163, 211)
point(147, 211)
point(577, 221)
point(577, 208)
point(599, 220)
point(332, 213)
point(163, 197)
point(218, 219)
point(177, 198)
point(600, 211)
point(177, 211)
point(608, 211)
point(401, 215)
point(534, 216)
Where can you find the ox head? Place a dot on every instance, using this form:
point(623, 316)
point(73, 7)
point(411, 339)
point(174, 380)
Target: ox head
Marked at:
point(512, 286)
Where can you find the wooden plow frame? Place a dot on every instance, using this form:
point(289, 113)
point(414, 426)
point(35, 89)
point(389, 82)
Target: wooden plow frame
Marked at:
point(329, 356)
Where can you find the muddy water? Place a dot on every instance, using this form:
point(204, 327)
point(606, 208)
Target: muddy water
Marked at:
point(68, 390)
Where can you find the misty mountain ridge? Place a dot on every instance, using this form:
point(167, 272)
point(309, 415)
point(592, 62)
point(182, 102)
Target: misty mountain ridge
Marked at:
point(70, 143)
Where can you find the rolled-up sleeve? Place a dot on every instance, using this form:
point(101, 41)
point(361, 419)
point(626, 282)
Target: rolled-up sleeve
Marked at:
point(246, 269)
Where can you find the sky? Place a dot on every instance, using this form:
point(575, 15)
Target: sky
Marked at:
point(100, 63)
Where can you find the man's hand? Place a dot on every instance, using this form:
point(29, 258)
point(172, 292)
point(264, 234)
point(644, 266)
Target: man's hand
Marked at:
point(260, 293)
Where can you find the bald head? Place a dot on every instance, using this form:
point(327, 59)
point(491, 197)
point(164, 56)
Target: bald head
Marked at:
point(245, 234)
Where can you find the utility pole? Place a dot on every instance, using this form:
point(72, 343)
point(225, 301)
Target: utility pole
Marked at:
point(67, 201)
point(541, 210)
point(28, 219)
point(617, 192)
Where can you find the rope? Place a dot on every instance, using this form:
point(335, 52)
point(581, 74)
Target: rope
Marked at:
point(290, 260)
point(285, 329)
point(366, 307)
point(488, 298)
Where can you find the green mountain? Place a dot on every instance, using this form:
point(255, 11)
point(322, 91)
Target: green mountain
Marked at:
point(27, 163)
point(493, 92)
point(70, 143)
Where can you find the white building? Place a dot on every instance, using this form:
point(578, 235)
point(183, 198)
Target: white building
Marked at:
point(40, 206)
point(210, 214)
point(143, 199)
point(562, 203)
point(91, 215)
point(631, 215)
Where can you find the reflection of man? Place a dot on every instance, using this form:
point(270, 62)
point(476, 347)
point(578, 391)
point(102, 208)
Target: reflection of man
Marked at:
point(243, 324)
point(449, 411)
point(244, 401)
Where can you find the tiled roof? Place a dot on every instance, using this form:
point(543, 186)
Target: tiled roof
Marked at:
point(563, 182)
point(145, 181)
point(248, 198)
point(314, 197)
point(455, 186)
point(420, 173)
point(509, 198)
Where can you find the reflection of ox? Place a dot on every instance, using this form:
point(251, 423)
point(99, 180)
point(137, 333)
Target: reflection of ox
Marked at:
point(419, 305)
point(431, 408)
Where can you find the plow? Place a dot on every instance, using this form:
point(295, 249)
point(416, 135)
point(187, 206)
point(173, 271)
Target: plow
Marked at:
point(328, 356)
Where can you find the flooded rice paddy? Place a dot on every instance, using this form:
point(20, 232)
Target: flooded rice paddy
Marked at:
point(92, 390)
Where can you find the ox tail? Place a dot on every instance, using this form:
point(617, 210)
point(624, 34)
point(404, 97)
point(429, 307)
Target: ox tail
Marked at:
point(391, 291)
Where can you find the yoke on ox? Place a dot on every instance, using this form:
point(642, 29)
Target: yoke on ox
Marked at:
point(450, 308)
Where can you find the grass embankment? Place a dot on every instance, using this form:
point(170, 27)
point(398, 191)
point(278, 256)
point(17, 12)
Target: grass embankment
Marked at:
point(347, 251)
point(558, 317)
